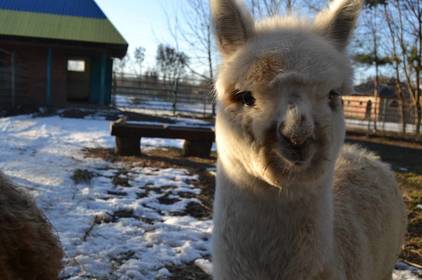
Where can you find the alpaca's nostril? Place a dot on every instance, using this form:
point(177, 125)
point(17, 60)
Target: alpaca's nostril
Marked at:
point(295, 141)
point(294, 137)
point(281, 127)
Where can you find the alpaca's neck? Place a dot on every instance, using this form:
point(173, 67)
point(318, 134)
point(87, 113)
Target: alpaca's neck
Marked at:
point(287, 221)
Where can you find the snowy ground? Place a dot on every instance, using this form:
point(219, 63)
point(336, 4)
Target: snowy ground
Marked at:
point(381, 126)
point(128, 221)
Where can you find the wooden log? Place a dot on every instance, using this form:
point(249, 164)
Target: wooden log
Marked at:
point(197, 148)
point(128, 146)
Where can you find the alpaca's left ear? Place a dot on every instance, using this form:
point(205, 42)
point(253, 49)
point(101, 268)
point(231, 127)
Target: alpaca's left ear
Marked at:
point(233, 24)
point(338, 21)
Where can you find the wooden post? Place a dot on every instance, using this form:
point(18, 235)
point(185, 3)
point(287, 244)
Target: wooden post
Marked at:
point(197, 148)
point(13, 80)
point(205, 105)
point(128, 146)
point(114, 88)
point(49, 74)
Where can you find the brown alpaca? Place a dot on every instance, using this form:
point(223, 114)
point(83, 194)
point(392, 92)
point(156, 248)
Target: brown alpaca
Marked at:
point(28, 248)
point(291, 201)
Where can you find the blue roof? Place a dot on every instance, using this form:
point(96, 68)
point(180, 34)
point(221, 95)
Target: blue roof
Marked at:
point(78, 8)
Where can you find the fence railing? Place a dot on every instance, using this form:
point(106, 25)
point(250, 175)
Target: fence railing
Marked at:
point(195, 98)
point(152, 95)
point(384, 115)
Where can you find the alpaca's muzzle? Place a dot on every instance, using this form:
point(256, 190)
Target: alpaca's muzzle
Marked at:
point(297, 128)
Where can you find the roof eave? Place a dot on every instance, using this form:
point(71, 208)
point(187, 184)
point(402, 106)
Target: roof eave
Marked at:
point(116, 50)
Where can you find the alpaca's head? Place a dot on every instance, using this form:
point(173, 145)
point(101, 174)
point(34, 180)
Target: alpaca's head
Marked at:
point(279, 111)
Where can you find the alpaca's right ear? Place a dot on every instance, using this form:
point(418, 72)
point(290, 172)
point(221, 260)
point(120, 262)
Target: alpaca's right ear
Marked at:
point(232, 23)
point(338, 21)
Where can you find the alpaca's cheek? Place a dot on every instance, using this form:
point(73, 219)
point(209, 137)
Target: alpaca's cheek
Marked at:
point(338, 136)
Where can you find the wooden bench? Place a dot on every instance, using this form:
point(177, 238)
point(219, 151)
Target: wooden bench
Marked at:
point(198, 140)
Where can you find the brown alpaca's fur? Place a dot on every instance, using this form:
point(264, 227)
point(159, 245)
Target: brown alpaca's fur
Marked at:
point(28, 248)
point(293, 202)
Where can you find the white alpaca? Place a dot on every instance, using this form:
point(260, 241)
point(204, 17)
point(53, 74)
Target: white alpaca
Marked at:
point(292, 202)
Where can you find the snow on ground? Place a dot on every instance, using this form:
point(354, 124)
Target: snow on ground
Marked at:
point(128, 222)
point(107, 231)
point(382, 126)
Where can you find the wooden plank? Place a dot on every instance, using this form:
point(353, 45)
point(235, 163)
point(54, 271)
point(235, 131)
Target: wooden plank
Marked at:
point(49, 77)
point(164, 131)
point(13, 80)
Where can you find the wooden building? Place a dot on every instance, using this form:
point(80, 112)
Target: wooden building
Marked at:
point(364, 105)
point(55, 53)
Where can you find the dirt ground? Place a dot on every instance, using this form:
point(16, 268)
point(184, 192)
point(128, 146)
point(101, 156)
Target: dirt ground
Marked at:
point(406, 162)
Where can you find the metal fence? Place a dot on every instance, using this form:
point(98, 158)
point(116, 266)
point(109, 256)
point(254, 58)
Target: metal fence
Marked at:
point(152, 95)
point(195, 98)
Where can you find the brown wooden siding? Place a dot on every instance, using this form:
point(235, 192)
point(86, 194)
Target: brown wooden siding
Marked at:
point(31, 61)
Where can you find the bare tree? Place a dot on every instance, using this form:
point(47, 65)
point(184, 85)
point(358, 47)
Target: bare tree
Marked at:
point(120, 65)
point(392, 38)
point(197, 34)
point(409, 19)
point(139, 56)
point(371, 49)
point(393, 32)
point(172, 65)
point(263, 8)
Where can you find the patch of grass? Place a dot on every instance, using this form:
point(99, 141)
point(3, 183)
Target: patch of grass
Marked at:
point(187, 272)
point(124, 213)
point(121, 179)
point(411, 186)
point(82, 176)
point(197, 210)
point(167, 199)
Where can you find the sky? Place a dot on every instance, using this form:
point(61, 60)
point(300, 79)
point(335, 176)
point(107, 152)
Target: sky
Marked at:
point(142, 22)
point(145, 23)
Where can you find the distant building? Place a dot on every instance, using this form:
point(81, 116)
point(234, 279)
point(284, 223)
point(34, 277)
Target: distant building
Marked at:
point(56, 53)
point(363, 105)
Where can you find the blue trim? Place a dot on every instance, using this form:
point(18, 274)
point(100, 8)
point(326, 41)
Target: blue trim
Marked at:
point(49, 70)
point(103, 78)
point(78, 8)
point(109, 81)
point(101, 85)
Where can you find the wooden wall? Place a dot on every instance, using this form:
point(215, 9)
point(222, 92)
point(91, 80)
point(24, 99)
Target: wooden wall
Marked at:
point(31, 73)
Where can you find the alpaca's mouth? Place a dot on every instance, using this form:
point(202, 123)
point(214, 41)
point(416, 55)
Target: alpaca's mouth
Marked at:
point(296, 154)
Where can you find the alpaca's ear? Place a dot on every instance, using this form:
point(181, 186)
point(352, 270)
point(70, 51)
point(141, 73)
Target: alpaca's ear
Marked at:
point(338, 21)
point(232, 23)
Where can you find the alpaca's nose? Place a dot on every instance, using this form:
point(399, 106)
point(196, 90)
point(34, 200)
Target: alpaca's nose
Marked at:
point(297, 127)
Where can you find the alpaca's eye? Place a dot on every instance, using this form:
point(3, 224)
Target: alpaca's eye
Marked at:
point(334, 94)
point(245, 97)
point(333, 99)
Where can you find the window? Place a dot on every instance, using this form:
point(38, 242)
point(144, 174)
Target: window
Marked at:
point(76, 65)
